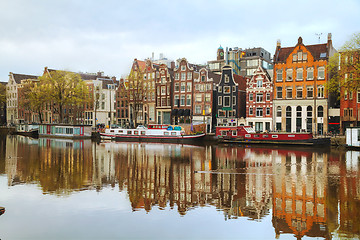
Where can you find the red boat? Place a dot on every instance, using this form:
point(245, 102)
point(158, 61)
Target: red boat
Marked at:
point(246, 134)
point(2, 210)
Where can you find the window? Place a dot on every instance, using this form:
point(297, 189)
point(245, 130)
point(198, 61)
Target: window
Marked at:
point(183, 67)
point(220, 100)
point(176, 100)
point(226, 101)
point(320, 92)
point(176, 76)
point(299, 74)
point(220, 89)
point(183, 87)
point(320, 111)
point(226, 89)
point(259, 112)
point(207, 97)
point(310, 74)
point(183, 76)
point(294, 57)
point(279, 77)
point(176, 87)
point(259, 97)
point(300, 56)
point(203, 78)
point(222, 113)
point(259, 83)
point(234, 100)
point(279, 92)
point(358, 97)
point(289, 74)
point(305, 56)
point(234, 88)
point(208, 87)
point(188, 87)
point(251, 96)
point(345, 95)
point(197, 109)
point(267, 96)
point(278, 111)
point(251, 111)
point(310, 92)
point(350, 95)
point(182, 100)
point(163, 90)
point(226, 78)
point(188, 100)
point(299, 92)
point(267, 111)
point(289, 93)
point(189, 75)
point(321, 73)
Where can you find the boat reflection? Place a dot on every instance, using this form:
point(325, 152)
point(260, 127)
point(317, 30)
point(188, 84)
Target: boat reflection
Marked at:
point(308, 192)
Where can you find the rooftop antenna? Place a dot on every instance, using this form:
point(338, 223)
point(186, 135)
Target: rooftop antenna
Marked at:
point(319, 35)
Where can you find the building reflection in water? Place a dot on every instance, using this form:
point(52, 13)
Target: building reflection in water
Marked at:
point(314, 193)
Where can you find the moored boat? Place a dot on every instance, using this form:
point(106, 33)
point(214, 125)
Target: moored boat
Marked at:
point(29, 130)
point(152, 133)
point(246, 134)
point(65, 131)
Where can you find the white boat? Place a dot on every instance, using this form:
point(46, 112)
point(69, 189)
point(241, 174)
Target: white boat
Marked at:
point(154, 133)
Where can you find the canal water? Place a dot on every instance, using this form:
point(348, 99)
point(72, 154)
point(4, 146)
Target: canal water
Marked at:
point(64, 189)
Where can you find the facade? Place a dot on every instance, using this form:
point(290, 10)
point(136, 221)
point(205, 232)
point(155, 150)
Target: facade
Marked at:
point(182, 92)
point(149, 92)
point(252, 59)
point(230, 102)
point(259, 101)
point(12, 101)
point(300, 99)
point(349, 98)
point(122, 106)
point(204, 85)
point(164, 78)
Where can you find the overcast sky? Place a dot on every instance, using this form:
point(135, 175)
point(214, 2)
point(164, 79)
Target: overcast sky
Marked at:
point(91, 36)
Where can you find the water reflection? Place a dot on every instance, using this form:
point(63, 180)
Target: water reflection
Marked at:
point(314, 193)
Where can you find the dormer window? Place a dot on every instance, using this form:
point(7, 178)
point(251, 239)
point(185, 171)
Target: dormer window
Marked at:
point(226, 78)
point(183, 67)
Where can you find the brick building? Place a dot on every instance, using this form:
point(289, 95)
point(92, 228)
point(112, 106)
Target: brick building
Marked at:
point(259, 100)
point(300, 100)
point(163, 85)
point(230, 101)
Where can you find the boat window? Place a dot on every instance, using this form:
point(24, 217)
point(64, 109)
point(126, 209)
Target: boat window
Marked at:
point(291, 135)
point(120, 131)
point(234, 132)
point(111, 130)
point(142, 132)
point(223, 133)
point(129, 132)
point(173, 133)
point(275, 136)
point(166, 133)
point(136, 132)
point(247, 135)
point(256, 136)
point(265, 136)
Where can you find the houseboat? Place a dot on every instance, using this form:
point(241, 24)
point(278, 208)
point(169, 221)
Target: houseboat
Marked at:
point(65, 131)
point(152, 133)
point(247, 135)
point(29, 130)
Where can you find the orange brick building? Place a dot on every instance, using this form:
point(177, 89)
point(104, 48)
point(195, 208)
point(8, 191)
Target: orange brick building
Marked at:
point(300, 99)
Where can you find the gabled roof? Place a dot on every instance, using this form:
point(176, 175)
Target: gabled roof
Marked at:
point(260, 70)
point(19, 77)
point(316, 51)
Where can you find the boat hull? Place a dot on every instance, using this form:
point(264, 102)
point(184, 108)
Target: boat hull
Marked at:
point(161, 139)
point(306, 142)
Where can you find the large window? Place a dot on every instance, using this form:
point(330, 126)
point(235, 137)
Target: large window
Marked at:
point(289, 93)
point(320, 92)
point(226, 101)
point(299, 74)
point(198, 97)
point(183, 87)
point(278, 111)
point(197, 109)
point(279, 76)
point(299, 92)
point(321, 73)
point(188, 87)
point(188, 100)
point(279, 92)
point(226, 89)
point(289, 74)
point(310, 92)
point(220, 100)
point(259, 112)
point(189, 75)
point(310, 73)
point(183, 76)
point(207, 97)
point(182, 100)
point(320, 111)
point(259, 97)
point(176, 88)
point(176, 100)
